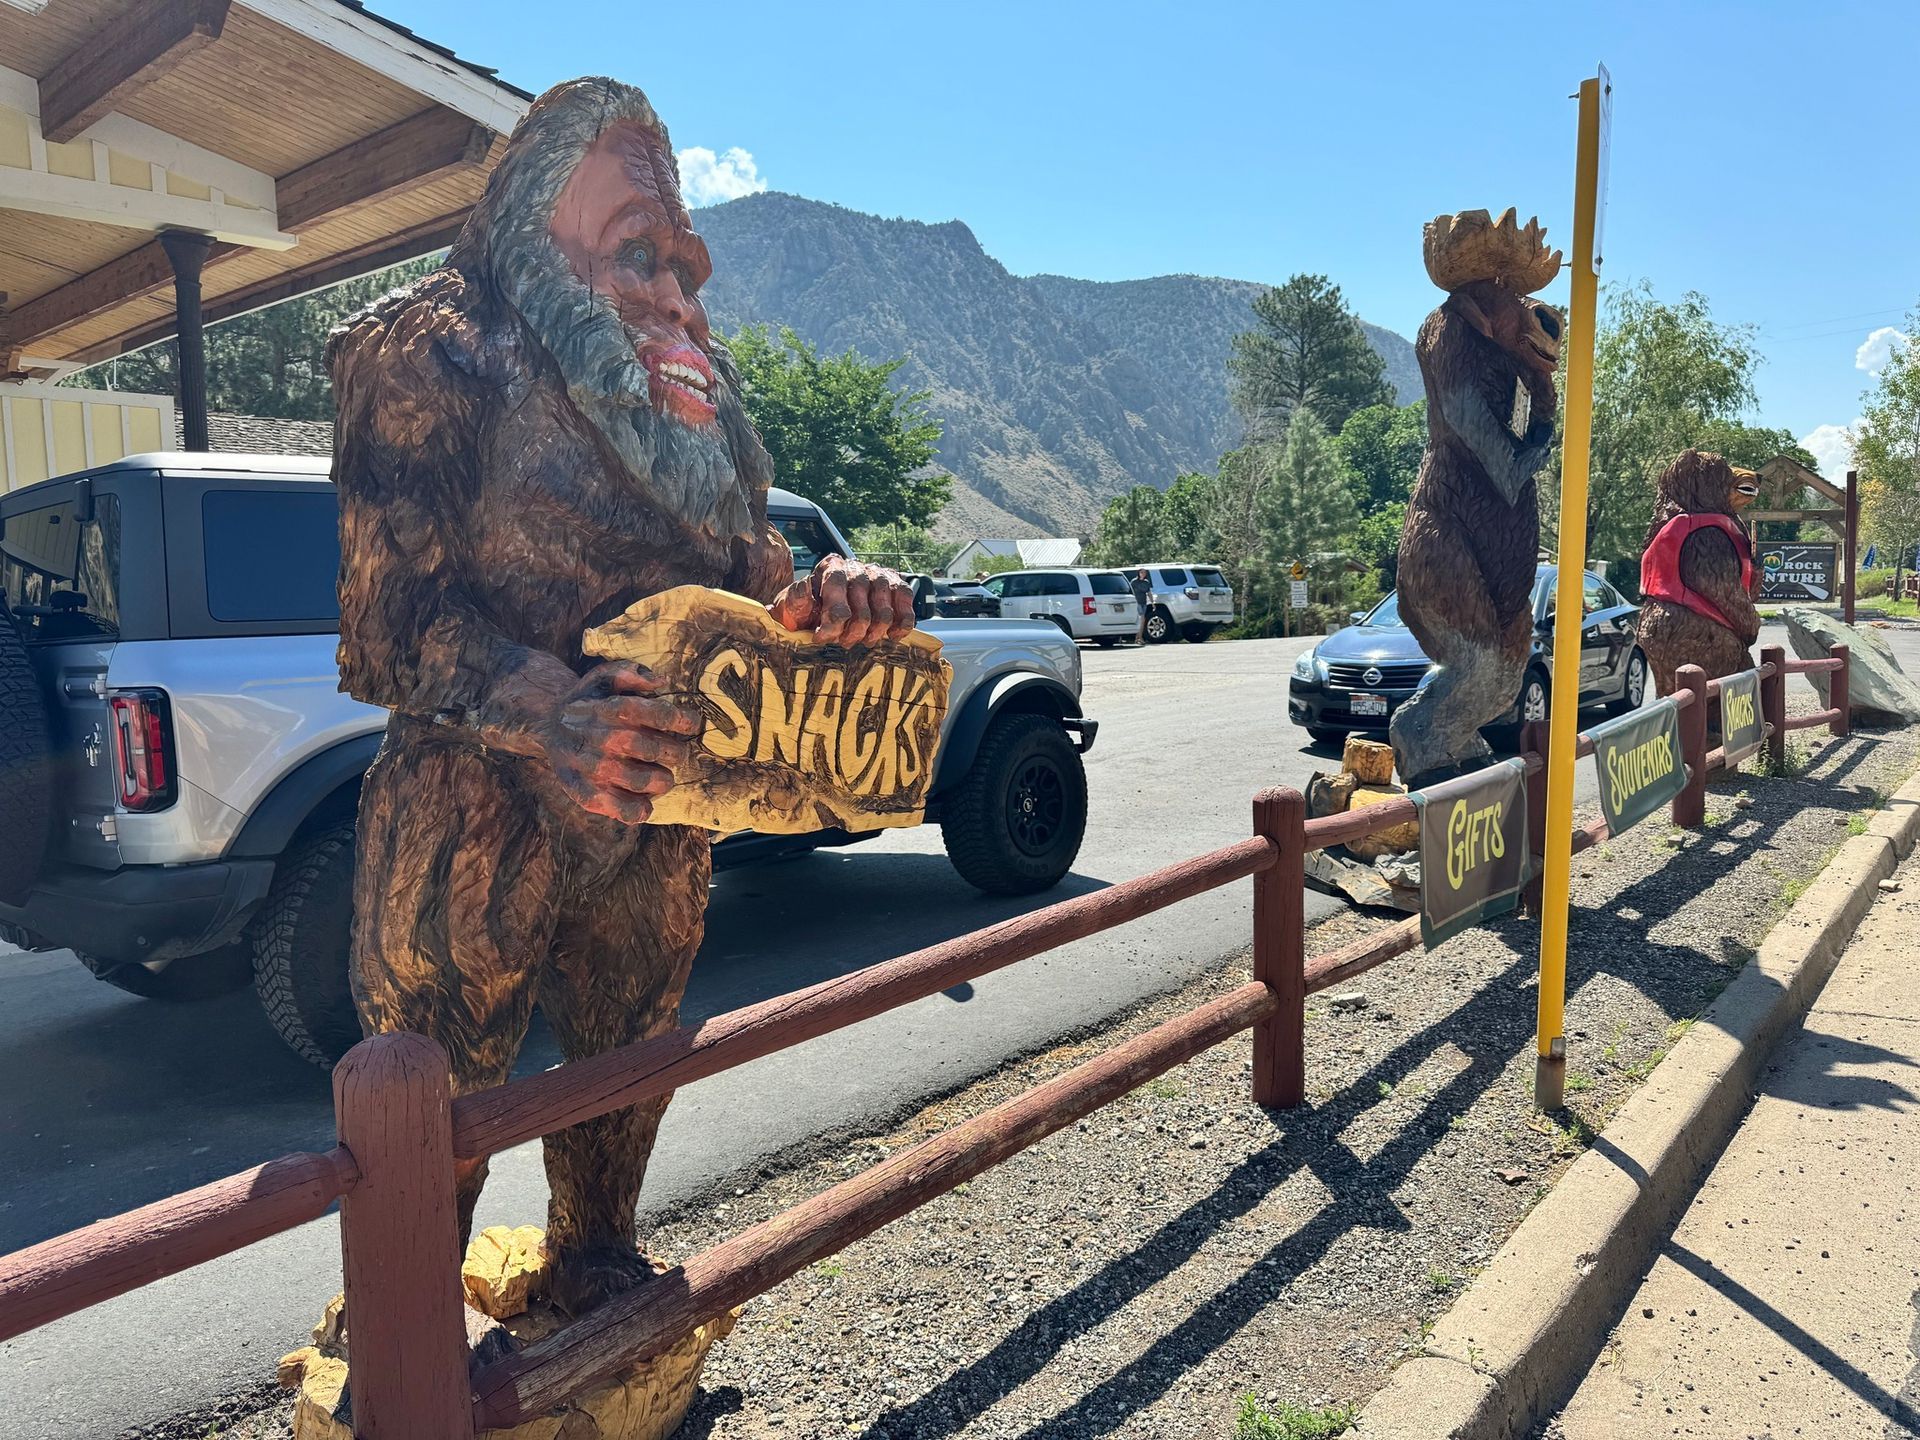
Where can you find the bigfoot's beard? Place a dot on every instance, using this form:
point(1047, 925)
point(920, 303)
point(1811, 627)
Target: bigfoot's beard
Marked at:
point(692, 471)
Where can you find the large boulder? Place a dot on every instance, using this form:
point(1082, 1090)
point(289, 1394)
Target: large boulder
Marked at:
point(1878, 691)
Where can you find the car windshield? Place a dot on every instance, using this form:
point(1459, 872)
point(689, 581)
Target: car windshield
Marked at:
point(1109, 583)
point(1387, 612)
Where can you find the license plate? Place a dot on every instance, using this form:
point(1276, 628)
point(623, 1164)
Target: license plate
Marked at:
point(1369, 705)
point(1119, 608)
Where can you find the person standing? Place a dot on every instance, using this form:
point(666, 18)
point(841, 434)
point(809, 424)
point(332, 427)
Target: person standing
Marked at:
point(1142, 598)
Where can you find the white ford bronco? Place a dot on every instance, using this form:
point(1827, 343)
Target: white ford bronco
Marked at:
point(179, 772)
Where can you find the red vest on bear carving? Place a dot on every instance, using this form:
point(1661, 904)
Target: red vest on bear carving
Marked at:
point(1660, 577)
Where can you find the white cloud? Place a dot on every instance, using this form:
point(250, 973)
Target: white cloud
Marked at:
point(1877, 349)
point(1832, 446)
point(707, 178)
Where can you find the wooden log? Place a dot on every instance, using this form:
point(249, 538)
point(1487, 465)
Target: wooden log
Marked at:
point(526, 1109)
point(1812, 667)
point(1279, 951)
point(400, 1242)
point(1368, 761)
point(1818, 718)
point(416, 151)
point(800, 734)
point(98, 1262)
point(1838, 696)
point(1339, 829)
point(1359, 956)
point(1690, 805)
point(1773, 705)
point(644, 1321)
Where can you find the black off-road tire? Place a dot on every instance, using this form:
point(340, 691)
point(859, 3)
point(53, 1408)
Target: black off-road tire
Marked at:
point(1197, 634)
point(191, 977)
point(1159, 626)
point(300, 943)
point(1013, 826)
point(1321, 735)
point(26, 768)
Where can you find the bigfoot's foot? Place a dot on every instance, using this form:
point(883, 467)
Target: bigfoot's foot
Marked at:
point(487, 1340)
point(584, 1278)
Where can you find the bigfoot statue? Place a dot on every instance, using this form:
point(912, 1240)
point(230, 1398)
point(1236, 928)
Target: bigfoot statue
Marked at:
point(1697, 574)
point(529, 440)
point(1467, 555)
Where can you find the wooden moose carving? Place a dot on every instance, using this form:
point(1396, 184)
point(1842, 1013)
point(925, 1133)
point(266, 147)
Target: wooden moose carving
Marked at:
point(800, 735)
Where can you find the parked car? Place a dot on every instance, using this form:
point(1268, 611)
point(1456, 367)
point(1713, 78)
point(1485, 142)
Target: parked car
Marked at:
point(936, 599)
point(179, 774)
point(1191, 601)
point(1094, 605)
point(1357, 677)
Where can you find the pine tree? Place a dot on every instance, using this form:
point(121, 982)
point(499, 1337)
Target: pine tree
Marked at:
point(1309, 353)
point(1306, 513)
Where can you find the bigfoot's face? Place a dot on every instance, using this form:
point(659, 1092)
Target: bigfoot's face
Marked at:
point(1744, 490)
point(625, 234)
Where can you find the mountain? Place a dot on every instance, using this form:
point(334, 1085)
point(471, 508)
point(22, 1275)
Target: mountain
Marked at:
point(1056, 394)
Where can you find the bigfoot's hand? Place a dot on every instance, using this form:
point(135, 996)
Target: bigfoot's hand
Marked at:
point(848, 603)
point(613, 742)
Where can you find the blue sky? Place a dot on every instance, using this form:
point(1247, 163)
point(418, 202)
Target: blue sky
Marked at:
point(1763, 154)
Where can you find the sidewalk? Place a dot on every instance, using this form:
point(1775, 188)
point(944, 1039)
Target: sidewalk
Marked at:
point(1787, 1302)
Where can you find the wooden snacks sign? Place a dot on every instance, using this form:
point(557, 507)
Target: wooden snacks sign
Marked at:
point(799, 735)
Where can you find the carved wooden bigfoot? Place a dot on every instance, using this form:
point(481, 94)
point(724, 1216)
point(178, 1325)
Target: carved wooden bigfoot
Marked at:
point(1697, 573)
point(529, 440)
point(1467, 555)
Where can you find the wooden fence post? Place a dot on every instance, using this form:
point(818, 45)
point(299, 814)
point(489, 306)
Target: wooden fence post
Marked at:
point(1690, 805)
point(1280, 951)
point(1533, 741)
point(1840, 692)
point(400, 1243)
point(1773, 707)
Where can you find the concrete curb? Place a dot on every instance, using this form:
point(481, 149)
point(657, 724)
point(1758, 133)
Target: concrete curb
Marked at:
point(1513, 1347)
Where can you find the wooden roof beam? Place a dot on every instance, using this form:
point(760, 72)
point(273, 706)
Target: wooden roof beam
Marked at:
point(416, 151)
point(138, 273)
point(148, 41)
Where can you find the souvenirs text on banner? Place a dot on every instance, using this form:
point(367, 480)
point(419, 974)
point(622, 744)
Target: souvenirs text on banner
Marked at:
point(1474, 855)
point(1640, 763)
point(1741, 729)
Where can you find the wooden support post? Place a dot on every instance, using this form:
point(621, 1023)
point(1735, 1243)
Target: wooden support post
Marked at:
point(1773, 706)
point(1690, 805)
point(400, 1242)
point(1280, 951)
point(187, 253)
point(1840, 692)
point(1533, 741)
point(1850, 546)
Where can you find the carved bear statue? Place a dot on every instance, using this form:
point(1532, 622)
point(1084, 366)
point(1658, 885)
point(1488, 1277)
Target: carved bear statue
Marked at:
point(1697, 574)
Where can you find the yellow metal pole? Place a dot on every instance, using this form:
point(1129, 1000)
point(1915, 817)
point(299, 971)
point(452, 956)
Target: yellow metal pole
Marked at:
point(1550, 1066)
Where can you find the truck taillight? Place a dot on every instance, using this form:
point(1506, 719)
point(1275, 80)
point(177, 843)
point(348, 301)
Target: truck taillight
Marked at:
point(143, 748)
point(1192, 592)
point(1087, 607)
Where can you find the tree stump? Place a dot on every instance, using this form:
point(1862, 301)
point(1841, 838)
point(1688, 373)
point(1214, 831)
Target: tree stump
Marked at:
point(503, 1272)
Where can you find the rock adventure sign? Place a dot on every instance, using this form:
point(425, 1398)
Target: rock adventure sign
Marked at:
point(1797, 572)
point(799, 735)
point(1640, 763)
point(1741, 728)
point(1474, 853)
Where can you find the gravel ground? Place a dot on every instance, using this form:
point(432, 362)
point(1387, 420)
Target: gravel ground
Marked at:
point(1142, 1271)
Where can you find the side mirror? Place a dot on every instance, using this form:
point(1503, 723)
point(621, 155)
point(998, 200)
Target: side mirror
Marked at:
point(1356, 616)
point(83, 499)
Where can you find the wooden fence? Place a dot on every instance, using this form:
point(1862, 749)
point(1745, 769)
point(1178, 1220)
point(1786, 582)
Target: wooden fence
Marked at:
point(401, 1132)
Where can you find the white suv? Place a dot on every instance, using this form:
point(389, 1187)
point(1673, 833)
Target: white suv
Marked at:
point(1191, 600)
point(1094, 605)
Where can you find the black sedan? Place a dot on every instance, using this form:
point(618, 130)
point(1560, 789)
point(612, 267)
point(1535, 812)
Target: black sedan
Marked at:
point(937, 599)
point(1357, 677)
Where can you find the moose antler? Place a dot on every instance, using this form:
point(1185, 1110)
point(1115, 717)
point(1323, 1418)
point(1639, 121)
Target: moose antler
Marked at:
point(1472, 245)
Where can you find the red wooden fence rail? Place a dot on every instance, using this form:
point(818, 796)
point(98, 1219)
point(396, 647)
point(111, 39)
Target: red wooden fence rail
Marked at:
point(401, 1133)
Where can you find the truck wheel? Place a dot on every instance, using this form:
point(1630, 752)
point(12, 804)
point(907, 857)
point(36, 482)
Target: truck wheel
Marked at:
point(26, 767)
point(300, 947)
point(1159, 627)
point(1013, 825)
point(191, 977)
point(1197, 634)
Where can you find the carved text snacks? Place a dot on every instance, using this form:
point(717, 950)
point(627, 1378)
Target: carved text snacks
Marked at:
point(799, 735)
